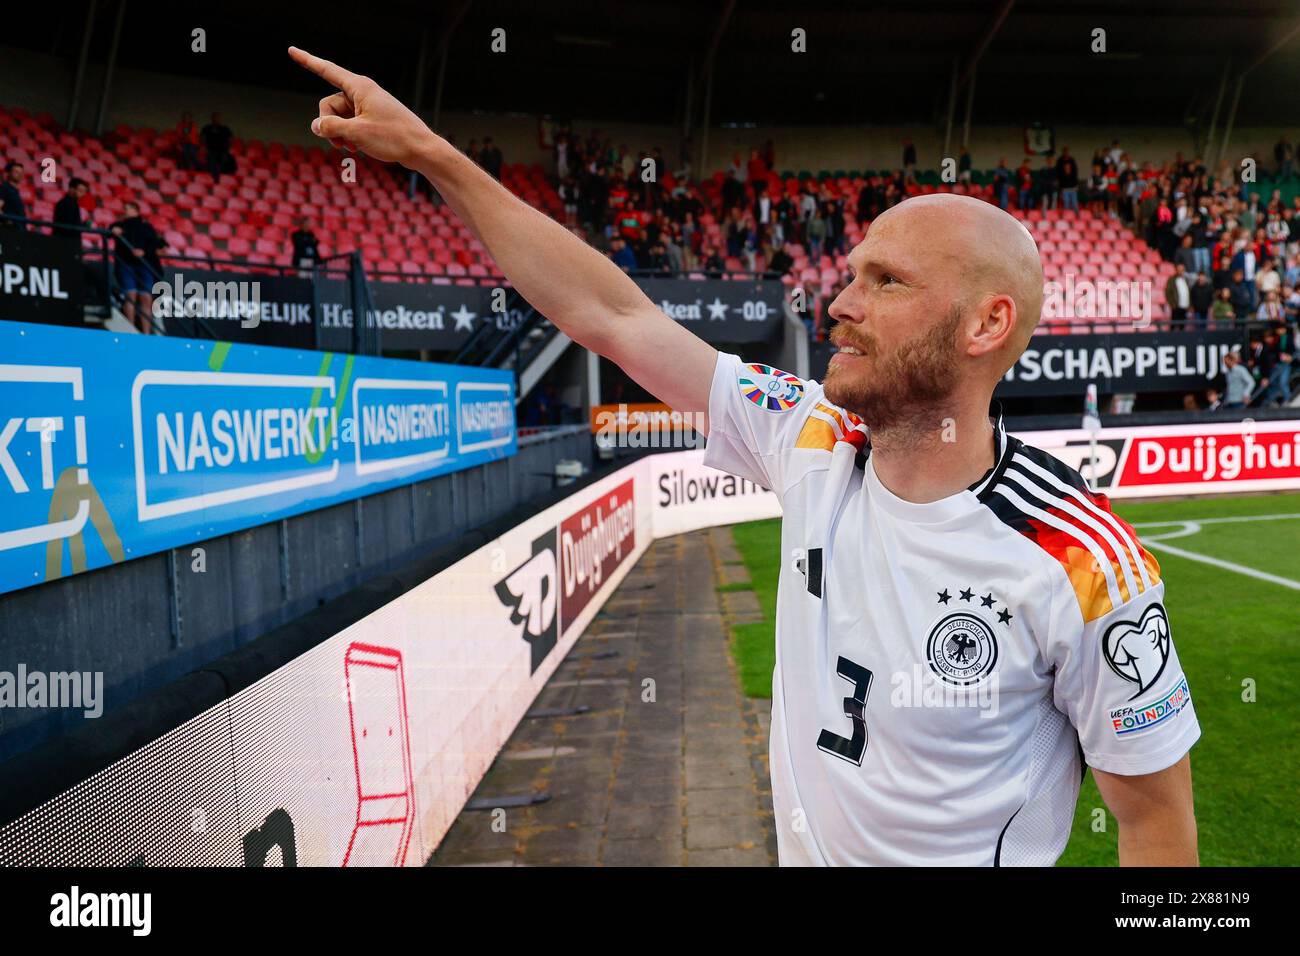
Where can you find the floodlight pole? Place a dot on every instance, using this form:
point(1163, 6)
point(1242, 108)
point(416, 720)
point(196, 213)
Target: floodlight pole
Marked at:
point(709, 57)
point(1214, 117)
point(80, 78)
point(952, 107)
point(1232, 116)
point(970, 106)
point(421, 71)
point(110, 67)
point(1241, 82)
point(967, 77)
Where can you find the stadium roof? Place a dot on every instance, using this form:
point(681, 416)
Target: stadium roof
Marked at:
point(634, 60)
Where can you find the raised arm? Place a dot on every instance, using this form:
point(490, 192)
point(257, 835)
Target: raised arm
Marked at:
point(584, 294)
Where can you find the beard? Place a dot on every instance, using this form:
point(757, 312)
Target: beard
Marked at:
point(901, 391)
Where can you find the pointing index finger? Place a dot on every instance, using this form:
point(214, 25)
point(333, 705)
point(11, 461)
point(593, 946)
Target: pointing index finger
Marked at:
point(330, 72)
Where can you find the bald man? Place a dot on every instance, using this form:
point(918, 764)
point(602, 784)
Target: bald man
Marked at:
point(962, 624)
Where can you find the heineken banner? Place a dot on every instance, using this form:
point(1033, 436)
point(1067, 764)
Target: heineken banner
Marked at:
point(280, 309)
point(728, 311)
point(1120, 362)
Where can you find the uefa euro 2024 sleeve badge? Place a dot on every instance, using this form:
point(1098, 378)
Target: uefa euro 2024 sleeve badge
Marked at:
point(769, 387)
point(962, 647)
point(1137, 651)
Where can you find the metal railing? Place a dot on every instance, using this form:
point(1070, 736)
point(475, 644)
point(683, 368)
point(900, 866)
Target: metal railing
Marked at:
point(105, 261)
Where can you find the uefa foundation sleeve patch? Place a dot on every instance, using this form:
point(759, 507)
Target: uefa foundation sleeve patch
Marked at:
point(769, 387)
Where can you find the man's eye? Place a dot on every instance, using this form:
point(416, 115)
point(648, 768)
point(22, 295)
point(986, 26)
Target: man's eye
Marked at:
point(887, 279)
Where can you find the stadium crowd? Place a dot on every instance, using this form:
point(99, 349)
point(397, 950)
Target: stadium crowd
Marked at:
point(1235, 253)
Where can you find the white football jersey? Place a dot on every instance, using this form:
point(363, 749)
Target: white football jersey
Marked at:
point(944, 670)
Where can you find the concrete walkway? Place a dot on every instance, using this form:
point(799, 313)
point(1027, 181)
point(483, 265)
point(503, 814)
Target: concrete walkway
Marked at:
point(668, 767)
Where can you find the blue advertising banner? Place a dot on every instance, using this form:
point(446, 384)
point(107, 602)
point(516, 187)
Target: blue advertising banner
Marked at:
point(117, 446)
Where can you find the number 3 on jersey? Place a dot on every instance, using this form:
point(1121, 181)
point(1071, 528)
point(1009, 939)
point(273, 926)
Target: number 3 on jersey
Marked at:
point(850, 749)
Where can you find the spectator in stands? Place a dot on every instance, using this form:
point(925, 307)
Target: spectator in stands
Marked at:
point(187, 137)
point(12, 207)
point(657, 260)
point(67, 213)
point(1202, 235)
point(1242, 295)
point(306, 250)
point(1268, 279)
point(1002, 182)
point(137, 265)
point(1240, 383)
point(1025, 185)
point(1245, 260)
point(762, 209)
point(622, 255)
point(835, 226)
point(781, 262)
point(1096, 194)
point(1278, 382)
point(733, 191)
point(1270, 309)
point(216, 138)
point(674, 251)
point(909, 158)
point(1221, 312)
point(713, 264)
point(1067, 176)
point(562, 156)
point(1284, 156)
point(1178, 293)
point(491, 159)
point(816, 231)
point(807, 206)
point(1186, 255)
point(964, 166)
point(1202, 299)
point(1047, 189)
point(1291, 304)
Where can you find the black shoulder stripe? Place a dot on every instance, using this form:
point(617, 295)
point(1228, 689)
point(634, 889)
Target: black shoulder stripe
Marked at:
point(1006, 512)
point(1044, 489)
point(1057, 468)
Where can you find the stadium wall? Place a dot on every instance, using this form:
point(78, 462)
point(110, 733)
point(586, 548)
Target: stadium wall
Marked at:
point(441, 674)
point(145, 622)
point(40, 82)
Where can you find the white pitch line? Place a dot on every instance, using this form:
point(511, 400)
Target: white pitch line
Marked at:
point(1232, 520)
point(1226, 565)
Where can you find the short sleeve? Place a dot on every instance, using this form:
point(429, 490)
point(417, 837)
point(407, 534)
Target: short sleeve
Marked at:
point(1119, 681)
point(755, 414)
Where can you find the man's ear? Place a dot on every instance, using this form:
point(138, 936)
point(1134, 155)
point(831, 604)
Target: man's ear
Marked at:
point(992, 325)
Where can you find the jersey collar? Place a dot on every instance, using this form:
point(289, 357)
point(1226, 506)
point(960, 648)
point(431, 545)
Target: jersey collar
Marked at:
point(1003, 449)
point(954, 505)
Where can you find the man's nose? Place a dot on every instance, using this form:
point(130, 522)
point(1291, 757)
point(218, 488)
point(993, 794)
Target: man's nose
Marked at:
point(842, 309)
